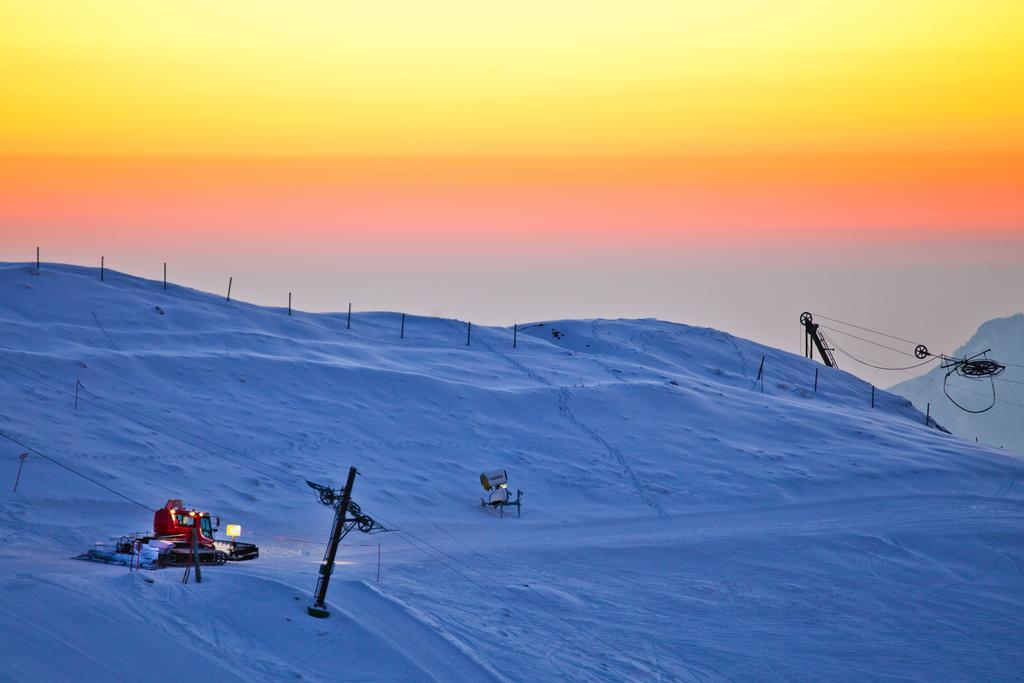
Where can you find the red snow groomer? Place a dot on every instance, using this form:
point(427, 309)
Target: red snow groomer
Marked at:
point(175, 524)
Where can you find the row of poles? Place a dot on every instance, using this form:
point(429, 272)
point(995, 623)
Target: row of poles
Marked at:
point(348, 320)
point(469, 334)
point(759, 381)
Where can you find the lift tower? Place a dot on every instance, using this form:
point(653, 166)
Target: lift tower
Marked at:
point(813, 338)
point(347, 516)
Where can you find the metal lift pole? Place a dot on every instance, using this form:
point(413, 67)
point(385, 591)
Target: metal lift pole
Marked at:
point(811, 330)
point(318, 608)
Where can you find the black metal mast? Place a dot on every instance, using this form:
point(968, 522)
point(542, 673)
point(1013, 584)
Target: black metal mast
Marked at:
point(813, 335)
point(318, 609)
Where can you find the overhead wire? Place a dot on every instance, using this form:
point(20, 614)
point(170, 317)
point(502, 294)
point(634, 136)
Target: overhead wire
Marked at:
point(971, 410)
point(850, 334)
point(432, 523)
point(872, 365)
point(970, 368)
point(866, 329)
point(1014, 394)
point(469, 566)
point(999, 400)
point(250, 464)
point(39, 453)
point(440, 556)
point(476, 570)
point(462, 575)
point(403, 533)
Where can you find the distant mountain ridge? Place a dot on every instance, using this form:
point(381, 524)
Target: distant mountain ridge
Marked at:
point(1003, 425)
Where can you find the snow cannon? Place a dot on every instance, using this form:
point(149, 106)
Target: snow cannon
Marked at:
point(494, 479)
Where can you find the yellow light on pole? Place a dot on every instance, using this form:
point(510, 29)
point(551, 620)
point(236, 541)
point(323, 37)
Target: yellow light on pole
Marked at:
point(234, 530)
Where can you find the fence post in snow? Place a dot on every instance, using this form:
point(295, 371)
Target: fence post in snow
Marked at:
point(78, 383)
point(21, 463)
point(401, 335)
point(289, 303)
point(928, 415)
point(815, 380)
point(229, 288)
point(872, 395)
point(103, 267)
point(348, 323)
point(165, 274)
point(37, 259)
point(469, 330)
point(760, 375)
point(515, 334)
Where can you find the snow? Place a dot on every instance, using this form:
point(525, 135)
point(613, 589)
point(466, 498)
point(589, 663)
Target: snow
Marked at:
point(1002, 425)
point(679, 521)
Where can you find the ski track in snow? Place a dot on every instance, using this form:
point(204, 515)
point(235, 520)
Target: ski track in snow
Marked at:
point(566, 411)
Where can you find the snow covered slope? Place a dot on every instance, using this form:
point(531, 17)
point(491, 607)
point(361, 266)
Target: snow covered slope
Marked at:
point(681, 521)
point(1003, 425)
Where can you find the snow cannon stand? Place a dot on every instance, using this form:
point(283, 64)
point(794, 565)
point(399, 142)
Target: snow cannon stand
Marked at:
point(496, 482)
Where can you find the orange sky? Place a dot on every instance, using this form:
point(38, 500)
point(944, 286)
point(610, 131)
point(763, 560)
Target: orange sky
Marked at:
point(591, 203)
point(410, 139)
point(651, 124)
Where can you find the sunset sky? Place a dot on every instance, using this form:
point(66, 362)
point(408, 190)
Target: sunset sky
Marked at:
point(722, 163)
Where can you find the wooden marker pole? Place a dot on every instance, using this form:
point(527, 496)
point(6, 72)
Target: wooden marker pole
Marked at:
point(928, 415)
point(815, 379)
point(230, 279)
point(165, 275)
point(872, 395)
point(515, 335)
point(401, 335)
point(348, 323)
point(195, 549)
point(289, 303)
point(37, 259)
point(469, 331)
point(103, 267)
point(24, 457)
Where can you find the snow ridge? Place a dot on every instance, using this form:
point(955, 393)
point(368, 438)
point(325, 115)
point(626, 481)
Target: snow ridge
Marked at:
point(678, 523)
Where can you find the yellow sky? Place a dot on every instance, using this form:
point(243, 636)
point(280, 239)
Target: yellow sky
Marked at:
point(461, 77)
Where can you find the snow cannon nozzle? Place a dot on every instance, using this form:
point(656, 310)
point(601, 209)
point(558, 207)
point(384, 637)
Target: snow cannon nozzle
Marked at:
point(493, 479)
